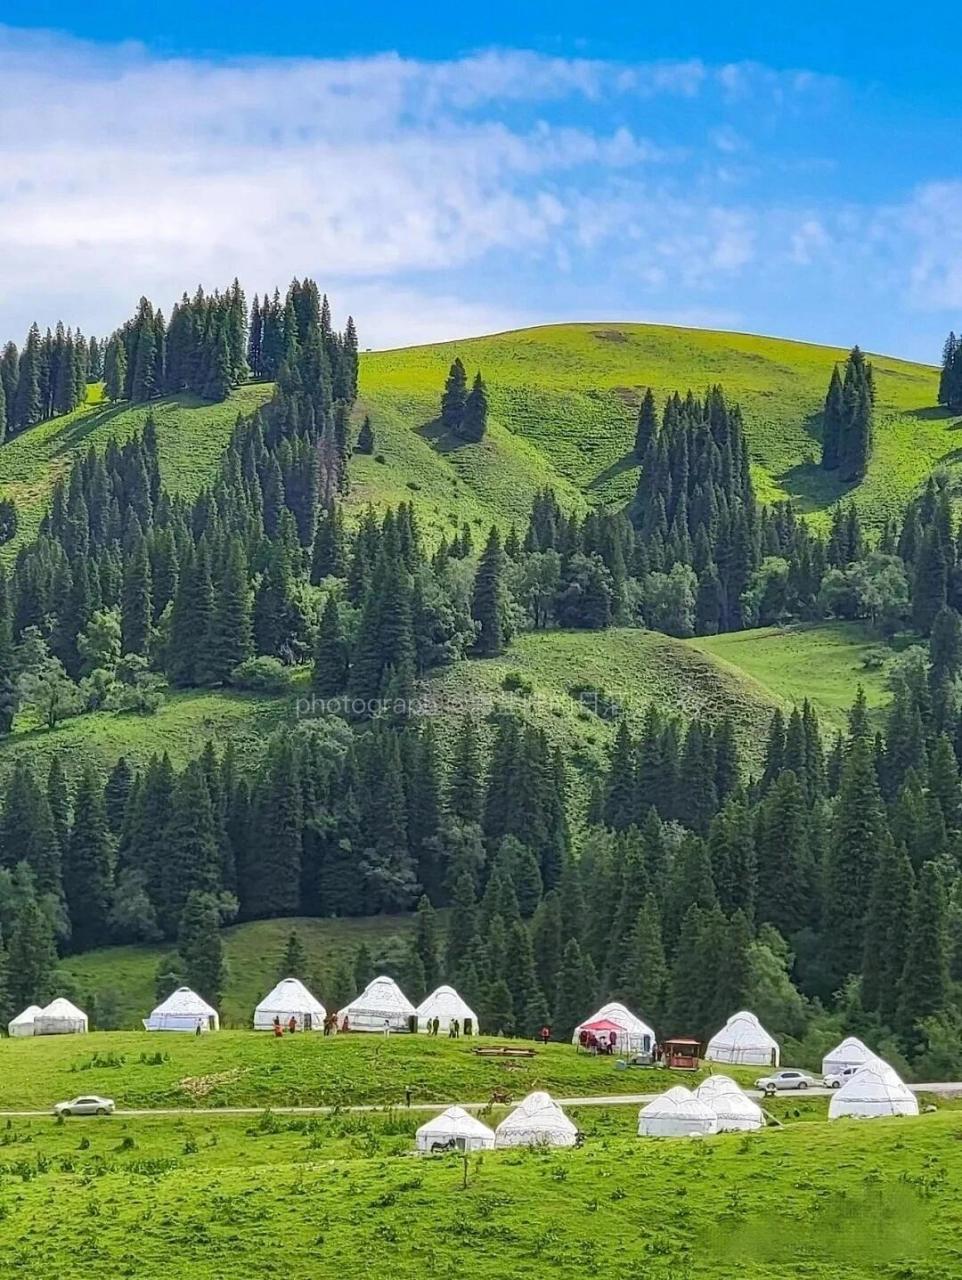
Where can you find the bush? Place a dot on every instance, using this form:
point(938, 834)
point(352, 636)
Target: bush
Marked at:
point(515, 682)
point(592, 698)
point(263, 675)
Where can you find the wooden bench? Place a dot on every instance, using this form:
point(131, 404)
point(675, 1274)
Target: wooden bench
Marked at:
point(502, 1051)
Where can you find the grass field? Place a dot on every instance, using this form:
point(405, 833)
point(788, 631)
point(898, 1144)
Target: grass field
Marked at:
point(253, 1069)
point(125, 975)
point(341, 1194)
point(824, 662)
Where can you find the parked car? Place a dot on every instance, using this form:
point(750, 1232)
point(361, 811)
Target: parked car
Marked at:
point(841, 1075)
point(785, 1080)
point(87, 1105)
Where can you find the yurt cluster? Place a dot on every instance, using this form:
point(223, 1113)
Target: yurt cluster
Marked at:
point(381, 1007)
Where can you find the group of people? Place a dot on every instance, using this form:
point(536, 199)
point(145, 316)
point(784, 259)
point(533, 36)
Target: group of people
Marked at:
point(603, 1043)
point(279, 1026)
point(454, 1028)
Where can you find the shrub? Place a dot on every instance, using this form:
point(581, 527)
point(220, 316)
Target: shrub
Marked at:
point(263, 675)
point(515, 682)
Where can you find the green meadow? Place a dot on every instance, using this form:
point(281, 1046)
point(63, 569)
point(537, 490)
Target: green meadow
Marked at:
point(225, 1197)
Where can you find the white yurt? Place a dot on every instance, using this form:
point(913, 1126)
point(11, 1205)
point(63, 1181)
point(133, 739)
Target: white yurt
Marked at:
point(676, 1117)
point(538, 1121)
point(876, 1090)
point(446, 1005)
point(677, 1093)
point(454, 1129)
point(381, 1006)
point(183, 1010)
point(743, 1040)
point(60, 1018)
point(734, 1110)
point(22, 1024)
point(634, 1037)
point(715, 1084)
point(290, 999)
point(850, 1053)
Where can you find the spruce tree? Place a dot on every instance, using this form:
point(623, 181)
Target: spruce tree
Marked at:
point(925, 988)
point(426, 944)
point(136, 613)
point(832, 415)
point(857, 836)
point(8, 684)
point(200, 948)
point(489, 602)
point(474, 419)
point(192, 855)
point(454, 397)
point(647, 426)
point(644, 972)
point(229, 636)
point(88, 866)
point(294, 958)
point(32, 956)
point(888, 927)
point(331, 663)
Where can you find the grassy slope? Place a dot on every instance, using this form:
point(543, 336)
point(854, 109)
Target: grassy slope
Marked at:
point(191, 435)
point(823, 662)
point(253, 953)
point(213, 1198)
point(571, 390)
point(251, 1068)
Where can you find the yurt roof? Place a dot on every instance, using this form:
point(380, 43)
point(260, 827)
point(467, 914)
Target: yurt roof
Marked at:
point(185, 1001)
point(446, 1002)
point(734, 1103)
point(744, 1030)
point(622, 1017)
point(716, 1084)
point(27, 1015)
point(876, 1084)
point(61, 1008)
point(382, 995)
point(457, 1121)
point(849, 1051)
point(538, 1110)
point(291, 993)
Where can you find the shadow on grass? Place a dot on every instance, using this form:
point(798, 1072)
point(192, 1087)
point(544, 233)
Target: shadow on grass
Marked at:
point(440, 437)
point(813, 489)
point(628, 462)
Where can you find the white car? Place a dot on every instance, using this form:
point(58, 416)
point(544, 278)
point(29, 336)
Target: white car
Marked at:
point(785, 1080)
point(841, 1075)
point(87, 1105)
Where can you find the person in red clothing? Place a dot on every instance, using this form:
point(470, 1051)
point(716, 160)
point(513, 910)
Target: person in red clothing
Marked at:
point(278, 1029)
point(292, 1024)
point(545, 1034)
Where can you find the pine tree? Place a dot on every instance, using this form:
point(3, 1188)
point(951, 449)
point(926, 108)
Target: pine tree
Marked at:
point(647, 426)
point(8, 685)
point(87, 866)
point(200, 949)
point(192, 859)
point(117, 793)
point(644, 972)
point(576, 991)
point(190, 622)
point(136, 612)
point(331, 664)
point(832, 415)
point(488, 602)
point(115, 370)
point(426, 945)
point(294, 958)
point(474, 419)
point(454, 397)
point(888, 927)
point(32, 957)
point(857, 836)
point(464, 778)
point(925, 989)
point(229, 636)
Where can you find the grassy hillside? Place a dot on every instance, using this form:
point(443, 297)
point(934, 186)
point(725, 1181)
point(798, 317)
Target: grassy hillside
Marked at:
point(253, 1069)
point(124, 976)
point(191, 436)
point(571, 391)
point(824, 662)
point(214, 1197)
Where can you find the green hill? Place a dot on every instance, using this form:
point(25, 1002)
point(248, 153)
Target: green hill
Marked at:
point(563, 401)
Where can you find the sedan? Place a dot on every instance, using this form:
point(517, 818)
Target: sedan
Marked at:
point(835, 1079)
point(88, 1105)
point(785, 1080)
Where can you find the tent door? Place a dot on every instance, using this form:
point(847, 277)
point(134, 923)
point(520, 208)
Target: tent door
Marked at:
point(307, 1021)
point(210, 1022)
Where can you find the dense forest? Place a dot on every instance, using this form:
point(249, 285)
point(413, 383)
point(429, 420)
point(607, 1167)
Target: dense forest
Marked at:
point(828, 886)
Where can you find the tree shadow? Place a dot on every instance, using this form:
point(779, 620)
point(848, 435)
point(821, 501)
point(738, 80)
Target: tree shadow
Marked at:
point(812, 489)
point(934, 413)
point(627, 462)
point(77, 432)
point(440, 438)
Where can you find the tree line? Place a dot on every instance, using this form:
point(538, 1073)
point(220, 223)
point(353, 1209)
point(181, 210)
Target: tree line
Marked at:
point(46, 378)
point(950, 377)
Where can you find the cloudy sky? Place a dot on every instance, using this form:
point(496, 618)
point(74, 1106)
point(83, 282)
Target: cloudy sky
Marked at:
point(441, 178)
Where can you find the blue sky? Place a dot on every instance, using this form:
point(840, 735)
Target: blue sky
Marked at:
point(444, 173)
